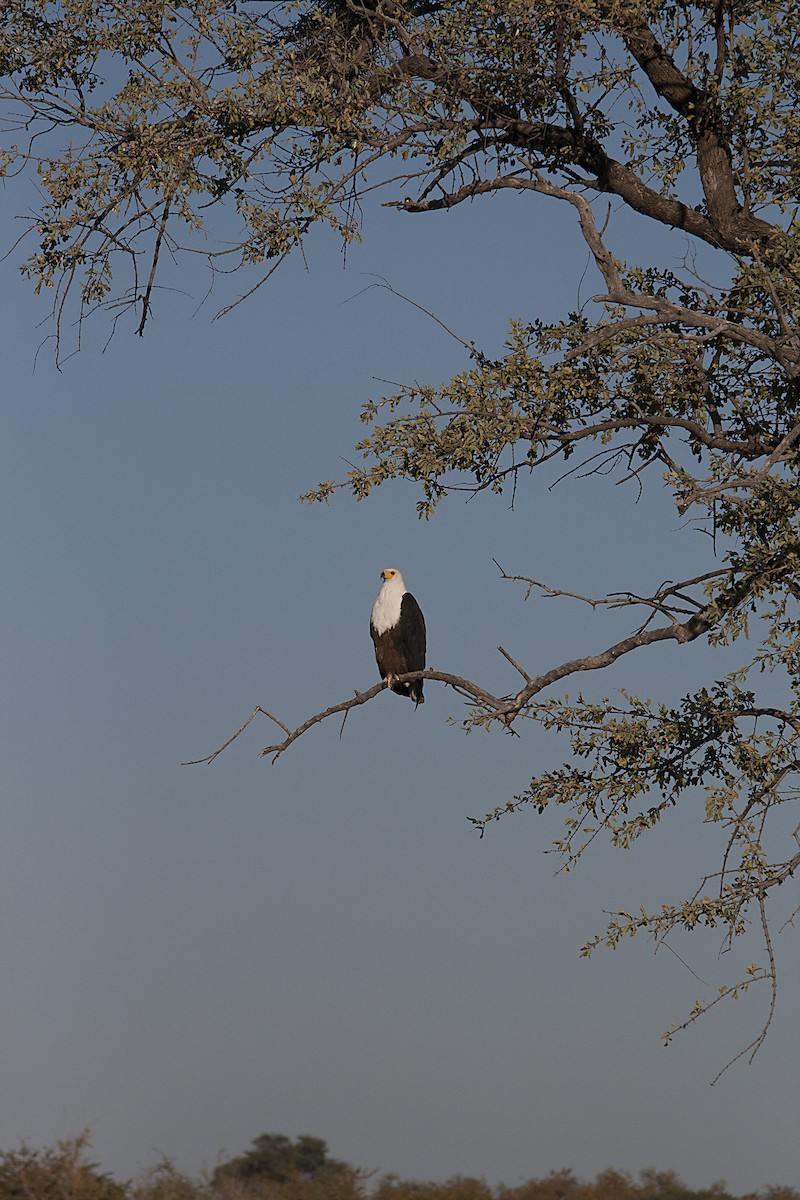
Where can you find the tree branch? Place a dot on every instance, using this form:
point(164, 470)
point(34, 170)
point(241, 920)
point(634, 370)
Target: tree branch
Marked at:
point(507, 708)
point(465, 687)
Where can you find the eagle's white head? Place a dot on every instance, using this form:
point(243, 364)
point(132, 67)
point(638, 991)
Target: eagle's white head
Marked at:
point(386, 609)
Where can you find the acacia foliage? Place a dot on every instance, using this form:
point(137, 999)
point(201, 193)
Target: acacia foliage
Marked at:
point(143, 122)
point(64, 1172)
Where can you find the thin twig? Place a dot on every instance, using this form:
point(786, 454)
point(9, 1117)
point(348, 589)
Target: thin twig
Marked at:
point(515, 664)
point(209, 758)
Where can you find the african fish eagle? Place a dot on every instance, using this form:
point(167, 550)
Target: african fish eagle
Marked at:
point(398, 631)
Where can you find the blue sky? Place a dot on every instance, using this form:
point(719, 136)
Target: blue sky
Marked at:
point(197, 955)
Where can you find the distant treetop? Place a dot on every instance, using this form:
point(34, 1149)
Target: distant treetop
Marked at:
point(276, 1158)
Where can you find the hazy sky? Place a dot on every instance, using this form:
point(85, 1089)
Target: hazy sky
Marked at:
point(195, 955)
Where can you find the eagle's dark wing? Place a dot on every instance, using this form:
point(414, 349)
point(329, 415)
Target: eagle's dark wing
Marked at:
point(412, 626)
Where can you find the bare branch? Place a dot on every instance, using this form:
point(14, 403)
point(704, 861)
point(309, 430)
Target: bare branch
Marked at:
point(551, 591)
point(657, 602)
point(344, 707)
point(209, 758)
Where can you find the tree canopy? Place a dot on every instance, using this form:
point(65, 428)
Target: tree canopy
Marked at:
point(275, 1158)
point(153, 127)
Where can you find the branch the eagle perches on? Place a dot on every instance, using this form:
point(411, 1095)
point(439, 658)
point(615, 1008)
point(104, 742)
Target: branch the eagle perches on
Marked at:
point(670, 600)
point(468, 689)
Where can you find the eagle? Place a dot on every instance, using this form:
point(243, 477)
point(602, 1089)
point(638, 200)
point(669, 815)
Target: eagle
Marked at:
point(397, 627)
